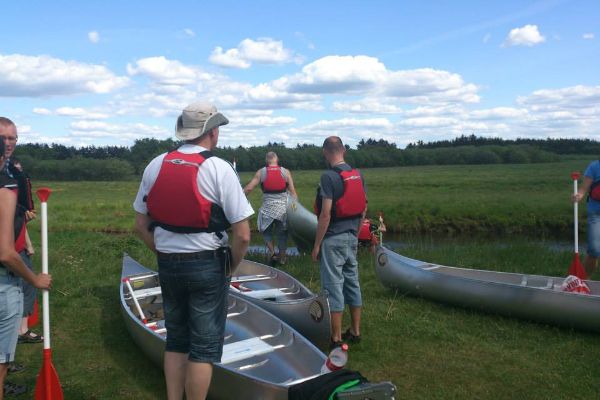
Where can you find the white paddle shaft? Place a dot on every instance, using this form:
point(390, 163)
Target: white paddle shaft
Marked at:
point(45, 294)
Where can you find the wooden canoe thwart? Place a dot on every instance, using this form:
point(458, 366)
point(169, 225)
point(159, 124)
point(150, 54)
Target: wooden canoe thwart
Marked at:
point(532, 297)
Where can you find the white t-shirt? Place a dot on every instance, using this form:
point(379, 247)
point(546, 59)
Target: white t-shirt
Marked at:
point(217, 182)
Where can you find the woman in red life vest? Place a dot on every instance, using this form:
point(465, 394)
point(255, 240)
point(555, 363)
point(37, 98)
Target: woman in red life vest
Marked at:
point(275, 182)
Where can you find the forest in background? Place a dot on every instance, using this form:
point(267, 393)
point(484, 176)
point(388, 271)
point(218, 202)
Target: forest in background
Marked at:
point(112, 163)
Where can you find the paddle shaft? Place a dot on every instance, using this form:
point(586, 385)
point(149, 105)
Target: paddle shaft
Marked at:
point(45, 294)
point(576, 218)
point(135, 300)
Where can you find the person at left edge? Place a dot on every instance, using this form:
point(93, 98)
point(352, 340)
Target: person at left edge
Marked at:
point(186, 201)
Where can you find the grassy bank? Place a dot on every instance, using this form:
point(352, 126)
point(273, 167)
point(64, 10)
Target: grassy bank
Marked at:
point(430, 351)
point(530, 199)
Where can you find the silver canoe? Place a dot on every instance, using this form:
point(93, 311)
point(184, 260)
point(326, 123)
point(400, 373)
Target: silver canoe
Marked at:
point(262, 356)
point(302, 225)
point(533, 297)
point(287, 298)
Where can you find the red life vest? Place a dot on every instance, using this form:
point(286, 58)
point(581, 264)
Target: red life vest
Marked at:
point(274, 181)
point(353, 201)
point(364, 234)
point(176, 204)
point(19, 219)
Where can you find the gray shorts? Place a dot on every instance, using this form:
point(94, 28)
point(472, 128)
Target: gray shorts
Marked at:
point(339, 271)
point(11, 311)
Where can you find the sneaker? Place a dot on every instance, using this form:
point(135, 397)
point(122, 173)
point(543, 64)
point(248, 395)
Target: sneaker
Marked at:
point(348, 336)
point(12, 389)
point(15, 368)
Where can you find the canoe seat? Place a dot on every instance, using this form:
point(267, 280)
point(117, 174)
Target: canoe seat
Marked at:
point(249, 278)
point(265, 293)
point(538, 282)
point(244, 349)
point(148, 292)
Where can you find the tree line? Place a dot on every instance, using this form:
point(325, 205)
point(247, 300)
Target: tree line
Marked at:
point(59, 162)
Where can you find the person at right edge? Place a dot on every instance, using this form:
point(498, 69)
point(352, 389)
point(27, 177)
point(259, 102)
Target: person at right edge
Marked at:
point(341, 204)
point(186, 201)
point(591, 188)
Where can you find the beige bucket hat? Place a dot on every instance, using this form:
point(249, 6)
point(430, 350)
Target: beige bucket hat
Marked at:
point(197, 119)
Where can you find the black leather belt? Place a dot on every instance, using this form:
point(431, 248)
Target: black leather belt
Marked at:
point(199, 255)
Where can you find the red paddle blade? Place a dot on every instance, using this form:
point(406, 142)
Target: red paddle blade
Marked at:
point(47, 386)
point(33, 319)
point(576, 268)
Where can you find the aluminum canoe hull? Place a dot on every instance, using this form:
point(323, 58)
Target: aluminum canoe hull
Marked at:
point(302, 225)
point(286, 298)
point(264, 355)
point(532, 297)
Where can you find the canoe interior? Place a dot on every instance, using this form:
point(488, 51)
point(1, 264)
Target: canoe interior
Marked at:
point(257, 346)
point(263, 282)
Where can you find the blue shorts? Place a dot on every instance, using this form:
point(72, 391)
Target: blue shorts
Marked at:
point(11, 312)
point(593, 234)
point(280, 231)
point(195, 303)
point(29, 291)
point(339, 271)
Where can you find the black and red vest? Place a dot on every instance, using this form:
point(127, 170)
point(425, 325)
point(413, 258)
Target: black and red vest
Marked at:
point(175, 202)
point(274, 181)
point(353, 201)
point(19, 219)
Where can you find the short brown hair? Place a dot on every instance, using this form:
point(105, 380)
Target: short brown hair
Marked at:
point(333, 144)
point(6, 122)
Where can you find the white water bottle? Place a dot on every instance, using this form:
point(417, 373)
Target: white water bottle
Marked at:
point(337, 359)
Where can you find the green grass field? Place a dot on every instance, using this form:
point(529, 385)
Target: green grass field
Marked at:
point(429, 350)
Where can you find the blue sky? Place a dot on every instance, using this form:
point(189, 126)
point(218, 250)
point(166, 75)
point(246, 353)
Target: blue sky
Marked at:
point(111, 72)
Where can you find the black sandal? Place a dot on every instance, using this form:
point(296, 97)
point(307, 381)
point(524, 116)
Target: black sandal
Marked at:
point(12, 389)
point(30, 337)
point(15, 368)
point(348, 336)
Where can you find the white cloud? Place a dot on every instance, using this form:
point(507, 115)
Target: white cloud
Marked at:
point(165, 71)
point(527, 35)
point(117, 132)
point(79, 112)
point(229, 59)
point(37, 76)
point(588, 36)
point(189, 32)
point(262, 51)
point(94, 36)
point(368, 106)
point(42, 111)
point(499, 113)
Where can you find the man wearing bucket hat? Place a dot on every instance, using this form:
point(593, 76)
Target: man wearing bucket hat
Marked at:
point(186, 201)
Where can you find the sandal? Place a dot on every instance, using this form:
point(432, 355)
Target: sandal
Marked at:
point(15, 368)
point(12, 389)
point(348, 336)
point(30, 337)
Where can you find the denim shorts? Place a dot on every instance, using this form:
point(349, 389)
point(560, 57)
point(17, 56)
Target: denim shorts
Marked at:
point(11, 311)
point(593, 234)
point(195, 303)
point(29, 291)
point(280, 231)
point(339, 271)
